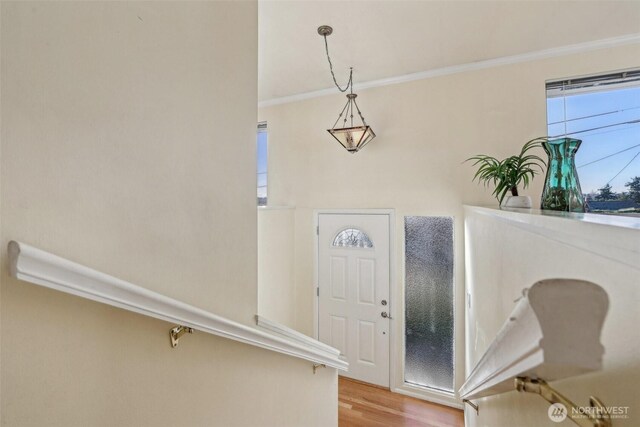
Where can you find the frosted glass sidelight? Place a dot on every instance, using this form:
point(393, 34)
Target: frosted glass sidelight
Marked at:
point(352, 238)
point(429, 302)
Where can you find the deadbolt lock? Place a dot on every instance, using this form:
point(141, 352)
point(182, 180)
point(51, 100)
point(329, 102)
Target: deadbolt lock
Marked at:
point(383, 302)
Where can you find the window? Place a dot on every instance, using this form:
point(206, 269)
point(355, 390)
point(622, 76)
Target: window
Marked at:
point(352, 238)
point(262, 164)
point(604, 112)
point(429, 327)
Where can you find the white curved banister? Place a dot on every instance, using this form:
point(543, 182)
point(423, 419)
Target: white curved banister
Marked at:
point(553, 333)
point(45, 269)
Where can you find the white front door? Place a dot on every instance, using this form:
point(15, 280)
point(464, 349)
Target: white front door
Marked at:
point(353, 281)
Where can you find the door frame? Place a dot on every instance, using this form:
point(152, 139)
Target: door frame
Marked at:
point(394, 306)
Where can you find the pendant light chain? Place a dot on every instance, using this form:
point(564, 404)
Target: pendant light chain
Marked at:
point(350, 82)
point(349, 106)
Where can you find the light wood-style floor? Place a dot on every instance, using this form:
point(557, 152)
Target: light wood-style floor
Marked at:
point(364, 405)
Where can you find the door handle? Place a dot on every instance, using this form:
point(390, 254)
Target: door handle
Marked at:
point(385, 315)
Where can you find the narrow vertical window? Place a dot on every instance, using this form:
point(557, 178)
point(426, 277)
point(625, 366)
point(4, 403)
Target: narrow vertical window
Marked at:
point(429, 329)
point(262, 163)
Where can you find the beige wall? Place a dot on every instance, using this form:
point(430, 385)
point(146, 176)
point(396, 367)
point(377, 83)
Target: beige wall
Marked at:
point(504, 259)
point(425, 129)
point(128, 145)
point(276, 260)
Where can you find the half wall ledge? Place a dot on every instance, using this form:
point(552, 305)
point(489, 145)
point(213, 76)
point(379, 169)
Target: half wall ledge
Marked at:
point(616, 238)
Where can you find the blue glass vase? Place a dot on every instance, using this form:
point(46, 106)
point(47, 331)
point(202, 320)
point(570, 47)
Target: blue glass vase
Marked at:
point(561, 186)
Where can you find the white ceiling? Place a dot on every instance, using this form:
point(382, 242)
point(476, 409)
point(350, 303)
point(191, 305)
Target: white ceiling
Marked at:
point(383, 39)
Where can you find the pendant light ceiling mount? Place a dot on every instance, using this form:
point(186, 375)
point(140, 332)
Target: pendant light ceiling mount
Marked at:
point(352, 138)
point(325, 30)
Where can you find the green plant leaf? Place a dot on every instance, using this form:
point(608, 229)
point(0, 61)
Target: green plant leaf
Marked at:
point(510, 172)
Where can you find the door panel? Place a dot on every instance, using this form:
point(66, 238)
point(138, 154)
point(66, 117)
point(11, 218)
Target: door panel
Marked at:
point(366, 281)
point(366, 341)
point(353, 275)
point(338, 333)
point(339, 278)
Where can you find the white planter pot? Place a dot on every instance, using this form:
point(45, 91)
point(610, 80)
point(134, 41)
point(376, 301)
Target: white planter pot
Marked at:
point(523, 202)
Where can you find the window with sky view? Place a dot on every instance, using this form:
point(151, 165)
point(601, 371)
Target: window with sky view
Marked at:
point(606, 117)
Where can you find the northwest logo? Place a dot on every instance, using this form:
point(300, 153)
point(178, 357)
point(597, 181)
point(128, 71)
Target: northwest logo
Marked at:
point(557, 412)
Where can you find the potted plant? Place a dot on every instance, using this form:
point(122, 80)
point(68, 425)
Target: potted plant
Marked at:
point(508, 174)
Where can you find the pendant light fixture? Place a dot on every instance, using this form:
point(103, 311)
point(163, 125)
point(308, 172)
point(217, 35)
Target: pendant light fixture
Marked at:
point(351, 137)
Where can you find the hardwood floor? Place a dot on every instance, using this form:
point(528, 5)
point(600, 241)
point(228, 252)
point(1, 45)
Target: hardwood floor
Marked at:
point(364, 405)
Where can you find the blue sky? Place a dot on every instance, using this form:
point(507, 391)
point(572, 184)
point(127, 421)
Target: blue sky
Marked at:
point(599, 143)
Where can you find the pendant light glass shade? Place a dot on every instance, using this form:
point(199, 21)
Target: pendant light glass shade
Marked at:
point(354, 138)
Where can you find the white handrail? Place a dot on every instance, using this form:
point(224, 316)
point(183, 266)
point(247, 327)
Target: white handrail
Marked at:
point(280, 329)
point(553, 333)
point(45, 269)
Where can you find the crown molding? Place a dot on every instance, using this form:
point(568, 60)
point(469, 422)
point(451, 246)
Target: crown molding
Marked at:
point(471, 66)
